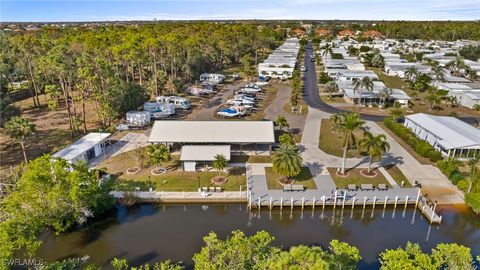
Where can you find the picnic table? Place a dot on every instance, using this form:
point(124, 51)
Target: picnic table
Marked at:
point(352, 187)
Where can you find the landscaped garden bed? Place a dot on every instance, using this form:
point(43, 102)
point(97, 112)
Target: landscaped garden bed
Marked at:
point(356, 178)
point(305, 178)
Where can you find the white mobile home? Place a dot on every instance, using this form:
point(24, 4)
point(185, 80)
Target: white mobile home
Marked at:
point(448, 135)
point(85, 149)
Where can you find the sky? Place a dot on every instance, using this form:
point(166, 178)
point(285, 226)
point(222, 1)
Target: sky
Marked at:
point(110, 10)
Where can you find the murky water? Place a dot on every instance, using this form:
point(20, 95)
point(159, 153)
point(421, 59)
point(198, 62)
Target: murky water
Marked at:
point(149, 233)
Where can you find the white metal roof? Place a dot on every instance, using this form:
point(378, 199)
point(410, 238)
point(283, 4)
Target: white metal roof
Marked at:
point(204, 152)
point(212, 132)
point(81, 146)
point(453, 132)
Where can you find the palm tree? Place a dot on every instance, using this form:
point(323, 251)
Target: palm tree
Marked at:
point(411, 72)
point(433, 100)
point(455, 66)
point(282, 122)
point(476, 108)
point(20, 129)
point(348, 124)
point(375, 146)
point(220, 162)
point(384, 94)
point(327, 49)
point(287, 161)
point(331, 87)
point(438, 72)
point(474, 176)
point(396, 113)
point(364, 83)
point(158, 154)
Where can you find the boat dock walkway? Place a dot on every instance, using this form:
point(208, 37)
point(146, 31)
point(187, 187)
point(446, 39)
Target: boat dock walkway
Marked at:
point(326, 194)
point(185, 197)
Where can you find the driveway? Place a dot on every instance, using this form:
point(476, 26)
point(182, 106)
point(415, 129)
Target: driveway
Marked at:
point(434, 183)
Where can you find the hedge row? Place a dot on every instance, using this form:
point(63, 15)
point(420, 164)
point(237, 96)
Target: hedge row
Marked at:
point(422, 147)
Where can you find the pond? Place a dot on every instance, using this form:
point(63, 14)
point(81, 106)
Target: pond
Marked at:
point(152, 232)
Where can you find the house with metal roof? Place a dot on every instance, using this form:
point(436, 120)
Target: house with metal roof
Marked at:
point(201, 141)
point(448, 135)
point(85, 149)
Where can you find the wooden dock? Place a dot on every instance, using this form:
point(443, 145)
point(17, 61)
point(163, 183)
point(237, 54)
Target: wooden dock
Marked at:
point(344, 198)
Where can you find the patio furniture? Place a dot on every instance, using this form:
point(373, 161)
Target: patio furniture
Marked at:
point(298, 188)
point(382, 187)
point(211, 189)
point(218, 189)
point(367, 187)
point(205, 189)
point(352, 187)
point(287, 187)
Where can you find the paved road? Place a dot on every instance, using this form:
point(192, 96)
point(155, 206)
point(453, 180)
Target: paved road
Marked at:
point(311, 95)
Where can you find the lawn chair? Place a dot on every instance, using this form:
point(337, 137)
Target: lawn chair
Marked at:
point(352, 187)
point(382, 187)
point(367, 187)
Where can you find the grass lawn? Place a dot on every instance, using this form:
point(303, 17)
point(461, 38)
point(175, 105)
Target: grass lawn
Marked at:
point(389, 81)
point(333, 99)
point(179, 180)
point(250, 159)
point(356, 178)
point(330, 142)
point(301, 103)
point(398, 176)
point(305, 178)
point(172, 180)
point(405, 145)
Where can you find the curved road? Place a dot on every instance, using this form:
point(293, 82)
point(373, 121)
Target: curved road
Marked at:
point(311, 95)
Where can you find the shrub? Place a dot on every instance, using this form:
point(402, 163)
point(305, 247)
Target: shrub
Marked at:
point(423, 148)
point(456, 177)
point(462, 185)
point(473, 201)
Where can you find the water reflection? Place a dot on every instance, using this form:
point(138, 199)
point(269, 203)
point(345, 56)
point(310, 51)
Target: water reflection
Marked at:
point(148, 233)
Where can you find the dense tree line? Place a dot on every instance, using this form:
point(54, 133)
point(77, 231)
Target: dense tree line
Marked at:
point(438, 30)
point(241, 252)
point(48, 193)
point(74, 64)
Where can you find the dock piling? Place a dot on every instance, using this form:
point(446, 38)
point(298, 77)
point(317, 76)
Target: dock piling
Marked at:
point(313, 203)
point(291, 203)
point(258, 202)
point(344, 197)
point(281, 203)
point(418, 198)
point(303, 202)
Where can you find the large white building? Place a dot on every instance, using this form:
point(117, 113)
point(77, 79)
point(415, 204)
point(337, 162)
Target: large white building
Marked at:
point(201, 141)
point(448, 135)
point(281, 62)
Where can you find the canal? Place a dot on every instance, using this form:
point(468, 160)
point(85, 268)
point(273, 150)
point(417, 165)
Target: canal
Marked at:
point(150, 232)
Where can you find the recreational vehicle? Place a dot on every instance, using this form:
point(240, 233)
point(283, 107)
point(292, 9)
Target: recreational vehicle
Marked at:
point(158, 109)
point(138, 118)
point(178, 102)
point(212, 77)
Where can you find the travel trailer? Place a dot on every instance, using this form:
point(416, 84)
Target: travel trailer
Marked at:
point(158, 109)
point(178, 102)
point(212, 77)
point(138, 118)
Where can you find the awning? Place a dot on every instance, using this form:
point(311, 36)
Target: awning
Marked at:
point(204, 152)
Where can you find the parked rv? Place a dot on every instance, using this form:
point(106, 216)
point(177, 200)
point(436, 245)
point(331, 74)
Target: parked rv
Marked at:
point(158, 109)
point(138, 118)
point(212, 77)
point(178, 102)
